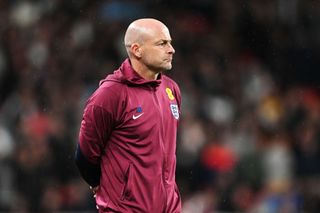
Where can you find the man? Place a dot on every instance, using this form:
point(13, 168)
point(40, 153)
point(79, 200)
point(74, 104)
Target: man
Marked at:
point(127, 139)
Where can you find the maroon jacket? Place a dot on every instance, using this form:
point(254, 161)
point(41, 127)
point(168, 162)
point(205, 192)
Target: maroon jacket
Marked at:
point(129, 127)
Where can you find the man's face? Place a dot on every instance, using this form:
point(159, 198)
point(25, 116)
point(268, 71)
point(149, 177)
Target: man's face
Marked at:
point(157, 50)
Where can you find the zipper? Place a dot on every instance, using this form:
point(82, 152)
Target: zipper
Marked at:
point(159, 107)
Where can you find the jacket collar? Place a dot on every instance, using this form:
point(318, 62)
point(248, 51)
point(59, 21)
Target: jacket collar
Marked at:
point(130, 76)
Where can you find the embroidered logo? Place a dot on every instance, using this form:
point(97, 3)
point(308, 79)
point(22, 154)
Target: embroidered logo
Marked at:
point(169, 93)
point(174, 110)
point(136, 116)
point(139, 109)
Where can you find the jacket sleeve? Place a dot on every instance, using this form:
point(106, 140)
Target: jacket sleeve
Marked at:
point(90, 172)
point(96, 127)
point(177, 94)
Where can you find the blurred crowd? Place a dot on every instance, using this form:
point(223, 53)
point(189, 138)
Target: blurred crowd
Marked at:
point(249, 136)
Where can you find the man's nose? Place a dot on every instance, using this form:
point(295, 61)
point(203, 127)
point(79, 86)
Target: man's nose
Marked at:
point(171, 49)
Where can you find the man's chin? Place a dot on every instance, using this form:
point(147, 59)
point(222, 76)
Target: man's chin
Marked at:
point(162, 68)
point(168, 67)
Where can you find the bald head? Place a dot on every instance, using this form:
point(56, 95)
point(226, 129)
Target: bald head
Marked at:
point(142, 29)
point(148, 44)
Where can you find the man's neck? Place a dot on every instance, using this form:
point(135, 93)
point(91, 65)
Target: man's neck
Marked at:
point(143, 71)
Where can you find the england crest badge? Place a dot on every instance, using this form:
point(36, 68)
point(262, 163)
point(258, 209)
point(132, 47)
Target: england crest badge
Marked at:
point(174, 110)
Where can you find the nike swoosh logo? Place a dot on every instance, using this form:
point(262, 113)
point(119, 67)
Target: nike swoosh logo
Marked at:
point(136, 116)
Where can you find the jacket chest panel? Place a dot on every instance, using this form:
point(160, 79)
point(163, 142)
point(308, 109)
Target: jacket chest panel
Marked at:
point(148, 114)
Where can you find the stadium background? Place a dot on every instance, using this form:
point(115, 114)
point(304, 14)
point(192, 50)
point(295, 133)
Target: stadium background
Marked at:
point(249, 137)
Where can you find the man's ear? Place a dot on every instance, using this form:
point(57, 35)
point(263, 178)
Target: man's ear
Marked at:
point(136, 50)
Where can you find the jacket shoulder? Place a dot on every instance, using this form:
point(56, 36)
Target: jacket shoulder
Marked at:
point(108, 94)
point(170, 82)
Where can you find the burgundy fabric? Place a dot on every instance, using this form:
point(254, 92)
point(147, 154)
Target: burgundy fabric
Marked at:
point(129, 127)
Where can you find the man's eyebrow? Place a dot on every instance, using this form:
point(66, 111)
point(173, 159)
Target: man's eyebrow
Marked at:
point(164, 40)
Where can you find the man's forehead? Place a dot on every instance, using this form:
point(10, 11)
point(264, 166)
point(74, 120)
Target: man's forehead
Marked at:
point(159, 34)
